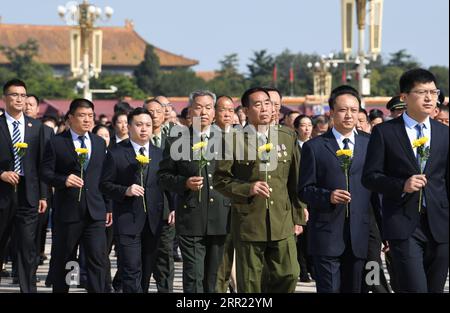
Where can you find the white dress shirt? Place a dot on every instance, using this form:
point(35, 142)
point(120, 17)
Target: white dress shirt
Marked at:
point(10, 120)
point(411, 131)
point(77, 142)
point(339, 137)
point(138, 147)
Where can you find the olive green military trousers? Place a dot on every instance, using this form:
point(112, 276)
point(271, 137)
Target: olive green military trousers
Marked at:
point(279, 260)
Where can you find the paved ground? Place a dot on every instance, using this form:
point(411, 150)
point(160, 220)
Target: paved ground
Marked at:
point(6, 285)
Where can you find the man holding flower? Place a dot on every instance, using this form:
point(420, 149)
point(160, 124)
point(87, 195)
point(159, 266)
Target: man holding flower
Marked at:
point(129, 179)
point(330, 183)
point(72, 165)
point(21, 194)
point(407, 163)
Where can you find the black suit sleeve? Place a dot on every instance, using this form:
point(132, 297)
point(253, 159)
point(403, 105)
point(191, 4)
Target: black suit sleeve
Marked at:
point(45, 136)
point(313, 196)
point(48, 173)
point(108, 185)
point(374, 177)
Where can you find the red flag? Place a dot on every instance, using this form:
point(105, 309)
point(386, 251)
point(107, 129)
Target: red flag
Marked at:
point(291, 74)
point(274, 74)
point(344, 76)
point(357, 76)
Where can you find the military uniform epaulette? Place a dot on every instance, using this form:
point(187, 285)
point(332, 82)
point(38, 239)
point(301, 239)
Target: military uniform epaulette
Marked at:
point(286, 130)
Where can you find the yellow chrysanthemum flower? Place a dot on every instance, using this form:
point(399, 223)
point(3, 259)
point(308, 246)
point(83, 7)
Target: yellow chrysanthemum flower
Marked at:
point(21, 145)
point(199, 145)
point(81, 150)
point(346, 152)
point(419, 142)
point(265, 148)
point(143, 159)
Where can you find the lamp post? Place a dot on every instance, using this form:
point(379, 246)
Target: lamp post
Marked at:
point(375, 19)
point(322, 75)
point(83, 17)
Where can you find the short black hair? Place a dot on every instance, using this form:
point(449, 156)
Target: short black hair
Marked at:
point(136, 112)
point(375, 113)
point(441, 97)
point(80, 103)
point(13, 82)
point(415, 76)
point(343, 90)
point(116, 117)
point(98, 127)
point(35, 97)
point(274, 89)
point(47, 118)
point(361, 110)
point(442, 107)
point(238, 108)
point(299, 118)
point(122, 106)
point(102, 116)
point(184, 113)
point(245, 97)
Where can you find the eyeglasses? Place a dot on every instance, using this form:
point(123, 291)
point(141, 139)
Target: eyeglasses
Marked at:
point(17, 95)
point(422, 92)
point(166, 104)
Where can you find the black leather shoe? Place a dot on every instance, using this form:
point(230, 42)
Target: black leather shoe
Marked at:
point(5, 273)
point(177, 258)
point(305, 278)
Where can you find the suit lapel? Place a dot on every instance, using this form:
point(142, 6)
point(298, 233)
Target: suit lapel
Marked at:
point(357, 154)
point(69, 143)
point(331, 143)
point(28, 129)
point(403, 139)
point(4, 129)
point(433, 144)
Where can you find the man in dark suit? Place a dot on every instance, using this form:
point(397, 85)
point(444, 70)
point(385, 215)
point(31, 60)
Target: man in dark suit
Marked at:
point(201, 214)
point(137, 225)
point(78, 218)
point(339, 217)
point(416, 230)
point(21, 194)
point(164, 267)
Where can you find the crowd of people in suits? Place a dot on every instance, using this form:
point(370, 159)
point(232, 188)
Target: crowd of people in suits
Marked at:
point(254, 202)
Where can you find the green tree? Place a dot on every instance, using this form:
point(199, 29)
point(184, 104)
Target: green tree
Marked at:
point(180, 82)
point(403, 60)
point(147, 73)
point(38, 77)
point(228, 80)
point(441, 73)
point(126, 86)
point(261, 68)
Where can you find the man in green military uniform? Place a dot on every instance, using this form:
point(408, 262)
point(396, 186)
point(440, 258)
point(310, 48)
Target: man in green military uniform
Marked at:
point(261, 180)
point(201, 212)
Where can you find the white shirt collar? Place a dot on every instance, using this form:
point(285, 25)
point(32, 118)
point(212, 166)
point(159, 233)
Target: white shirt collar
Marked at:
point(411, 123)
point(75, 135)
point(11, 119)
point(137, 147)
point(339, 137)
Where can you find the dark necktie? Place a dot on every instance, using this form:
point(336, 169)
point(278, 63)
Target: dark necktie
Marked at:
point(83, 145)
point(15, 139)
point(345, 141)
point(156, 141)
point(145, 167)
point(419, 134)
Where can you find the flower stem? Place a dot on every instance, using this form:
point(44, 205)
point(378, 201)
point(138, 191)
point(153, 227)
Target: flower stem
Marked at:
point(79, 194)
point(267, 201)
point(346, 183)
point(200, 190)
point(142, 185)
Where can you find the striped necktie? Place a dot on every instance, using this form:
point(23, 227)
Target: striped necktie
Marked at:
point(345, 141)
point(16, 138)
point(83, 145)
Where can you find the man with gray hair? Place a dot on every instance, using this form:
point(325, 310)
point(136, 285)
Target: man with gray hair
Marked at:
point(201, 213)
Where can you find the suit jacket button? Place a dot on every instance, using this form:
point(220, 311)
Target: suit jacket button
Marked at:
point(209, 175)
point(247, 163)
point(271, 202)
point(211, 187)
point(185, 206)
point(211, 200)
point(269, 176)
point(270, 189)
point(208, 163)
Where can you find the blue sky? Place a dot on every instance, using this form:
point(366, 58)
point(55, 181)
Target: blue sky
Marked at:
point(207, 30)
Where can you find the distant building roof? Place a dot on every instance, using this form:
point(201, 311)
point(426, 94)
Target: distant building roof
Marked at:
point(122, 46)
point(206, 75)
